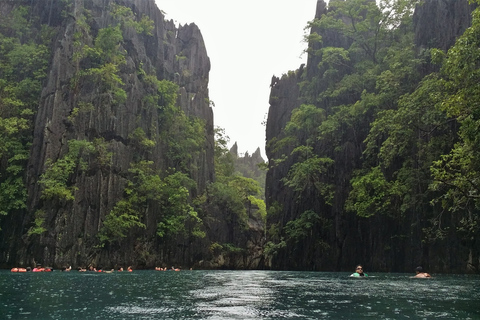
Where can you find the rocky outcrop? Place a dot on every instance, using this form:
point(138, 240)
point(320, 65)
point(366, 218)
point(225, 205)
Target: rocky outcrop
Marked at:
point(284, 98)
point(439, 23)
point(170, 53)
point(249, 166)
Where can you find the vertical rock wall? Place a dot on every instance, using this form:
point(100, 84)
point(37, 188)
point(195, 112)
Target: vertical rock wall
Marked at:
point(439, 23)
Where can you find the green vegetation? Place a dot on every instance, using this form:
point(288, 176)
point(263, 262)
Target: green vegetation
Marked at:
point(127, 18)
point(24, 57)
point(38, 227)
point(56, 177)
point(231, 203)
point(170, 197)
point(455, 174)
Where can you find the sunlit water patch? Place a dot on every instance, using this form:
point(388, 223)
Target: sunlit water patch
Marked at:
point(235, 295)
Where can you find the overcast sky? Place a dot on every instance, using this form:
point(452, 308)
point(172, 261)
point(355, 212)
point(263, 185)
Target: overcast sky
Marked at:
point(247, 42)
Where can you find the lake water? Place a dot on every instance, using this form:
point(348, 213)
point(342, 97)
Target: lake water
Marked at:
point(235, 295)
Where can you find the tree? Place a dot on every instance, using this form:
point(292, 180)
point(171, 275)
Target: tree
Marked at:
point(24, 58)
point(145, 190)
point(456, 173)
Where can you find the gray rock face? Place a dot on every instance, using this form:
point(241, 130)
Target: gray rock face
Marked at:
point(171, 53)
point(439, 23)
point(284, 98)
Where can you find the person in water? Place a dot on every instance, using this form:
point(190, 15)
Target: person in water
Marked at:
point(359, 272)
point(38, 268)
point(420, 274)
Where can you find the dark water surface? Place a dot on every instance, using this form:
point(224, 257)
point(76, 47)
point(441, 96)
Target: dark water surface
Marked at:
point(235, 295)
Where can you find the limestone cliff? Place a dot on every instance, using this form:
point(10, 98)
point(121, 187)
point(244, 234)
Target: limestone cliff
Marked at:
point(86, 111)
point(341, 240)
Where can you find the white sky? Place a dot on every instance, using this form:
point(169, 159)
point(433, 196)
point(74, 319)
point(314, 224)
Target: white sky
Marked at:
point(247, 42)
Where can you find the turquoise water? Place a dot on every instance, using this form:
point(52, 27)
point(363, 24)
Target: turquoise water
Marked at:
point(235, 295)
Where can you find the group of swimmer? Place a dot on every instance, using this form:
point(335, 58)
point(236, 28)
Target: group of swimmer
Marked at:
point(91, 268)
point(38, 268)
point(418, 272)
point(165, 269)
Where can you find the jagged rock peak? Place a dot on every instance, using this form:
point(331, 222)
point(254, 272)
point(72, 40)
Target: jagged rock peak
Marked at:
point(234, 150)
point(257, 156)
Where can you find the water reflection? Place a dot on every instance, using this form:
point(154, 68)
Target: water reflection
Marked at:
point(235, 295)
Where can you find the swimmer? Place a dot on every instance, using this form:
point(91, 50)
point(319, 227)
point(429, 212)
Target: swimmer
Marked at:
point(359, 272)
point(420, 274)
point(38, 268)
